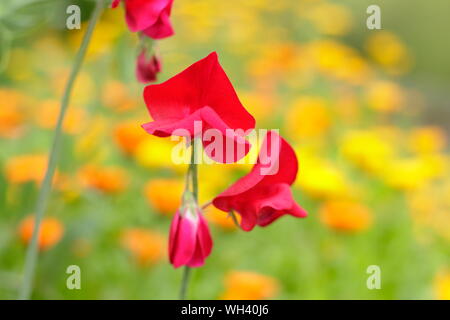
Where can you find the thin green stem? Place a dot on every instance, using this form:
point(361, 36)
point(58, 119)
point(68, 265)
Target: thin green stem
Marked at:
point(44, 192)
point(185, 282)
point(192, 174)
point(235, 220)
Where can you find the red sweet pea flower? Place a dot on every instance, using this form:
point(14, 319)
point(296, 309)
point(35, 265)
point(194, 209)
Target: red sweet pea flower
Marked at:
point(264, 195)
point(190, 241)
point(149, 16)
point(201, 94)
point(147, 68)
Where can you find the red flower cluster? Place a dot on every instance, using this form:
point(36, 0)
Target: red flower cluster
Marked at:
point(203, 94)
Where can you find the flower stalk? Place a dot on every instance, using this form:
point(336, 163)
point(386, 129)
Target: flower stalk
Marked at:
point(44, 192)
point(192, 181)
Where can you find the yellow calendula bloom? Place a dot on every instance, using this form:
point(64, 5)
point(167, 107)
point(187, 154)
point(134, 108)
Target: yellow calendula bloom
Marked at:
point(110, 179)
point(155, 152)
point(412, 173)
point(146, 246)
point(367, 149)
point(165, 194)
point(83, 90)
point(426, 140)
point(329, 18)
point(48, 112)
point(442, 285)
point(246, 285)
point(385, 96)
point(346, 216)
point(321, 179)
point(429, 206)
point(308, 117)
point(338, 61)
point(386, 49)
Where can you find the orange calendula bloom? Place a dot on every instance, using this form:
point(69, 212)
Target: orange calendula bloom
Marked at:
point(146, 246)
point(11, 114)
point(48, 113)
point(128, 135)
point(51, 231)
point(345, 216)
point(246, 285)
point(220, 218)
point(164, 194)
point(107, 179)
point(26, 168)
point(428, 140)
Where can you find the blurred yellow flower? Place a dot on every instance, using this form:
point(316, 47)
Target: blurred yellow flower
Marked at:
point(386, 49)
point(110, 179)
point(246, 285)
point(156, 152)
point(308, 117)
point(106, 32)
point(367, 149)
point(128, 135)
point(412, 173)
point(330, 18)
point(26, 168)
point(164, 194)
point(47, 115)
point(50, 232)
point(146, 246)
point(339, 61)
point(321, 179)
point(427, 140)
point(83, 90)
point(385, 96)
point(347, 216)
point(430, 208)
point(442, 285)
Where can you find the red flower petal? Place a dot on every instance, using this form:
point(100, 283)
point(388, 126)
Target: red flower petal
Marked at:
point(260, 198)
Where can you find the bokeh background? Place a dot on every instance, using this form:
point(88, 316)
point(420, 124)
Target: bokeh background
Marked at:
point(366, 110)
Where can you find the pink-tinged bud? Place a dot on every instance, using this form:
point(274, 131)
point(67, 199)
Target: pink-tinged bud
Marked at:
point(190, 241)
point(147, 68)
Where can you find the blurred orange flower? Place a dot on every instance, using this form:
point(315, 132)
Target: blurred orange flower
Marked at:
point(164, 194)
point(220, 218)
point(111, 179)
point(246, 285)
point(308, 117)
point(345, 216)
point(51, 231)
point(26, 168)
point(48, 112)
point(385, 96)
point(128, 135)
point(12, 115)
point(117, 97)
point(146, 246)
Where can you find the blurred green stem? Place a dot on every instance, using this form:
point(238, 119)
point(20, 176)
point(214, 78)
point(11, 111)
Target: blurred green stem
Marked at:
point(44, 192)
point(192, 173)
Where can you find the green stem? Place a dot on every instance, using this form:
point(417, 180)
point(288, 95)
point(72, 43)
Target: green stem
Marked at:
point(185, 282)
point(192, 173)
point(44, 192)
